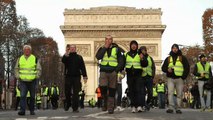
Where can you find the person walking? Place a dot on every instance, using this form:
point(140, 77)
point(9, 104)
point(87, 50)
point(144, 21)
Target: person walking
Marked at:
point(161, 90)
point(176, 67)
point(75, 67)
point(148, 75)
point(121, 75)
point(196, 96)
point(54, 96)
point(18, 95)
point(203, 73)
point(111, 63)
point(99, 97)
point(27, 70)
point(134, 62)
point(82, 96)
point(45, 96)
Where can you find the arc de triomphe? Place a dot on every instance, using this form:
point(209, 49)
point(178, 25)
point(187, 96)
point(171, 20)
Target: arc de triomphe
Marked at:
point(87, 28)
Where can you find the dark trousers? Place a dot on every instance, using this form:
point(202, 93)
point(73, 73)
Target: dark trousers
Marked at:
point(148, 85)
point(155, 101)
point(161, 99)
point(24, 88)
point(54, 102)
point(72, 85)
point(196, 102)
point(17, 103)
point(119, 94)
point(82, 103)
point(99, 102)
point(136, 91)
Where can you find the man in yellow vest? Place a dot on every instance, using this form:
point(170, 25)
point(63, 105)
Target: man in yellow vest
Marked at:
point(176, 67)
point(134, 62)
point(54, 96)
point(154, 97)
point(111, 63)
point(203, 73)
point(27, 70)
point(45, 96)
point(38, 100)
point(161, 90)
point(18, 95)
point(148, 75)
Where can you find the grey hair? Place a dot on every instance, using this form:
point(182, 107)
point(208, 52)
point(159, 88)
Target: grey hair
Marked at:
point(27, 46)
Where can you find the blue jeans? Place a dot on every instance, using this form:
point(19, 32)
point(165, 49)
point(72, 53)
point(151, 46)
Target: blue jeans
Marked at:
point(24, 88)
point(161, 99)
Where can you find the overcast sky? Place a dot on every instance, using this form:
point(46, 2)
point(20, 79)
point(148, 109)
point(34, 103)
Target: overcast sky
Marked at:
point(183, 18)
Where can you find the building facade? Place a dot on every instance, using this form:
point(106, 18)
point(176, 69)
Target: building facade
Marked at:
point(87, 29)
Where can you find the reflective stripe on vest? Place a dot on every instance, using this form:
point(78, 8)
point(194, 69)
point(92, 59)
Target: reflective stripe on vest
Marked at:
point(18, 93)
point(154, 92)
point(27, 68)
point(135, 62)
point(52, 90)
point(45, 91)
point(148, 69)
point(28, 94)
point(160, 88)
point(112, 60)
point(178, 67)
point(38, 99)
point(203, 70)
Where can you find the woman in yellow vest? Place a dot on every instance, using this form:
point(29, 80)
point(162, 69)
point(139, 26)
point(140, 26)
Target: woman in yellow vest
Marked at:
point(176, 67)
point(27, 70)
point(203, 73)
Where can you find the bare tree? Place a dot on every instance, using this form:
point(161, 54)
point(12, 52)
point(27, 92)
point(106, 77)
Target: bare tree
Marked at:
point(208, 32)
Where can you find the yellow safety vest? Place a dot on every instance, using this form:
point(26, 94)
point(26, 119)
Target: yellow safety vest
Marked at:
point(38, 99)
point(52, 90)
point(203, 70)
point(45, 91)
point(148, 69)
point(18, 94)
point(155, 94)
point(112, 60)
point(27, 68)
point(28, 94)
point(178, 67)
point(160, 88)
point(135, 62)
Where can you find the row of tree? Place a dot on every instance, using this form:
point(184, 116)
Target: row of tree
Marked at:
point(16, 32)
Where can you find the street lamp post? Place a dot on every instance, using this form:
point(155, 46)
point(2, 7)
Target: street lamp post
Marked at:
point(8, 64)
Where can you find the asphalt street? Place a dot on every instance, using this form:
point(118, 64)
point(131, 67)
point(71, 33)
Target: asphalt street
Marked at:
point(97, 114)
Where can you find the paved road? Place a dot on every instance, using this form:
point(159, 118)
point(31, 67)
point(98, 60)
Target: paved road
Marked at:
point(96, 114)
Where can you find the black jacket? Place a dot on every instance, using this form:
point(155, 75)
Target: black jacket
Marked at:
point(74, 65)
point(184, 61)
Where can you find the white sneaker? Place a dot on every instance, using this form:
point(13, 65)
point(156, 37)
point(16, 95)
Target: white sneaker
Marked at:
point(139, 109)
point(118, 108)
point(133, 110)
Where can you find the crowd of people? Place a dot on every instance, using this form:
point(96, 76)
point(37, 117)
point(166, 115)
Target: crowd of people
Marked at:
point(138, 67)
